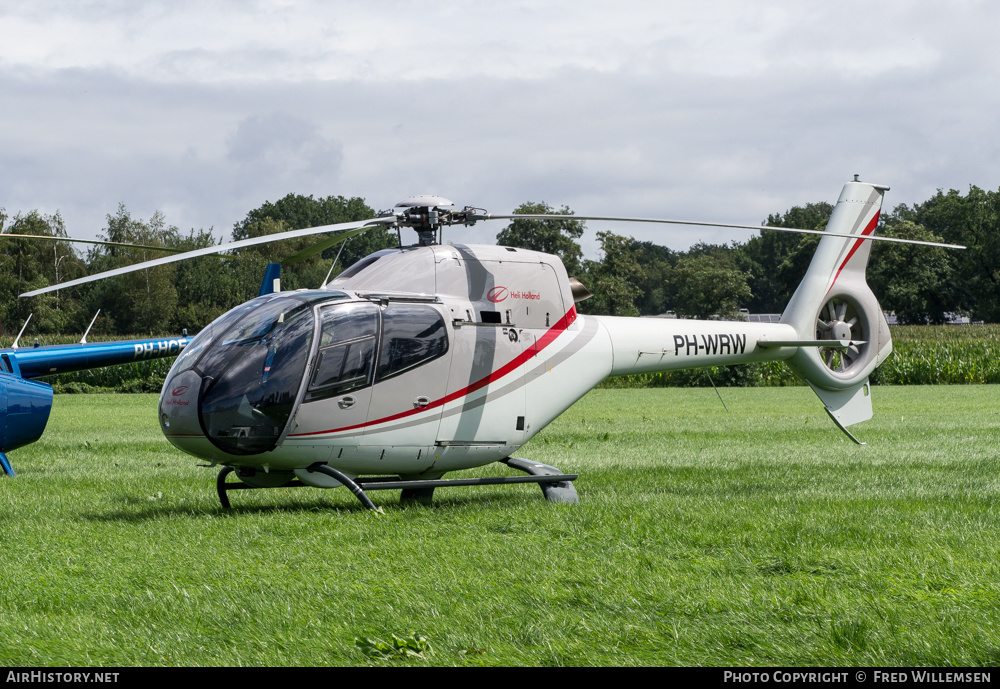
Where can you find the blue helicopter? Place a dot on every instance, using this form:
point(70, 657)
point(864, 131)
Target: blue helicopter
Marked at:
point(25, 404)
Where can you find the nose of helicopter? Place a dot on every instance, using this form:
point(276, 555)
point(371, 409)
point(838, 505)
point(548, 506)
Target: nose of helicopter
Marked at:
point(179, 413)
point(233, 390)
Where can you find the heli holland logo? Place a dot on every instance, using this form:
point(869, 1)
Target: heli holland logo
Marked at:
point(497, 294)
point(179, 390)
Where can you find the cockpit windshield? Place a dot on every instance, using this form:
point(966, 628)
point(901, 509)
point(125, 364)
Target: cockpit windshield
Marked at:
point(252, 376)
point(251, 361)
point(212, 332)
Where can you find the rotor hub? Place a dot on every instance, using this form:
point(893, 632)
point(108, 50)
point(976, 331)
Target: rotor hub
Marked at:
point(427, 214)
point(839, 330)
point(841, 320)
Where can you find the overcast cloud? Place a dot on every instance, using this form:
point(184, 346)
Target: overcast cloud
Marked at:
point(722, 111)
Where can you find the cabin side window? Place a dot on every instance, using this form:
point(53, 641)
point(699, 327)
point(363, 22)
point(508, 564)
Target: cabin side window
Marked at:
point(412, 334)
point(347, 350)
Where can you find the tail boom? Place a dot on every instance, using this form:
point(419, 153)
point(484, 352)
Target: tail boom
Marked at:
point(649, 345)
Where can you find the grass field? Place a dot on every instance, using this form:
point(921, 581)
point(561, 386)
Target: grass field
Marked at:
point(760, 536)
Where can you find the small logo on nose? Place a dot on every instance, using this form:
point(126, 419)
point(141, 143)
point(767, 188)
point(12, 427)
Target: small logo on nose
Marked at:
point(179, 390)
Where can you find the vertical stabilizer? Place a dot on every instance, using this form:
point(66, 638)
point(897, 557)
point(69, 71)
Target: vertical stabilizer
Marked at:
point(272, 280)
point(834, 302)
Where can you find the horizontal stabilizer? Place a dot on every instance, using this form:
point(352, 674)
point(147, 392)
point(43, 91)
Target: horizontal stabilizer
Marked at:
point(839, 344)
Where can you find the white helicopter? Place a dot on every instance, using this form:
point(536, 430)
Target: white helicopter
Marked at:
point(427, 359)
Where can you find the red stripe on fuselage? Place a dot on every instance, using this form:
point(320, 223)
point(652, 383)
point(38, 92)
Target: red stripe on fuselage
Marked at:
point(857, 245)
point(544, 341)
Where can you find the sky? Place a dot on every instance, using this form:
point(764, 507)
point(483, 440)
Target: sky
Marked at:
point(711, 111)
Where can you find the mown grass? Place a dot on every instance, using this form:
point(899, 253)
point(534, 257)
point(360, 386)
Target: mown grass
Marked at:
point(760, 536)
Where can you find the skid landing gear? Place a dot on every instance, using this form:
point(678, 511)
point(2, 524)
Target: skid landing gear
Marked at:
point(554, 489)
point(5, 463)
point(556, 486)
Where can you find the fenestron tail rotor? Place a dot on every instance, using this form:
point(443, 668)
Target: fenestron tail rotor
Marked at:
point(840, 320)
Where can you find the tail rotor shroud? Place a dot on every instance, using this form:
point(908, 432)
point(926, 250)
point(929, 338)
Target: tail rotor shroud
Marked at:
point(842, 319)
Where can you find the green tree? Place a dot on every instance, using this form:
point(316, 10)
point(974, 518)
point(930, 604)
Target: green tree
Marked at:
point(656, 264)
point(614, 279)
point(708, 285)
point(207, 286)
point(558, 237)
point(27, 264)
point(296, 212)
point(972, 220)
point(143, 301)
point(911, 280)
point(777, 261)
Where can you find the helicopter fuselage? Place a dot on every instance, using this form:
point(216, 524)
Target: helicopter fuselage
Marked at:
point(416, 362)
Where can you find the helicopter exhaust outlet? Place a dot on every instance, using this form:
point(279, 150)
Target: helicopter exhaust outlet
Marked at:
point(579, 291)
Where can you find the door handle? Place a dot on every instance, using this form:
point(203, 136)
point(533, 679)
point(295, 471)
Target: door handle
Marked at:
point(421, 401)
point(346, 402)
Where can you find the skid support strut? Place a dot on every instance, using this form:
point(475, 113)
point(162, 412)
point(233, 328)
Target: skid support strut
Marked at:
point(347, 481)
point(223, 488)
point(559, 489)
point(5, 463)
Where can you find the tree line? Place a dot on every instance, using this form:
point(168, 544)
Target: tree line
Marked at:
point(920, 284)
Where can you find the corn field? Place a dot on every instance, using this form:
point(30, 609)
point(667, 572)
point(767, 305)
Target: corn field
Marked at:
point(942, 355)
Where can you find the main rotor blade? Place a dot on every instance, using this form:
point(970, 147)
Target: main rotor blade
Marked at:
point(278, 236)
point(491, 216)
point(90, 241)
point(320, 247)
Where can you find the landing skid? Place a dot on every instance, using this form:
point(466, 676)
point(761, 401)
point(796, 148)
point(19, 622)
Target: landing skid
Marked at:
point(556, 486)
point(5, 463)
